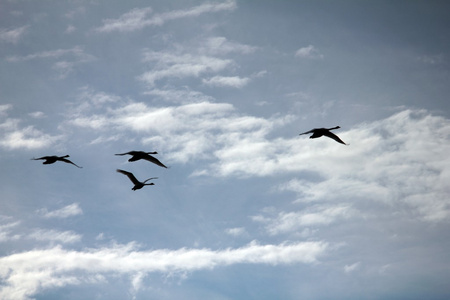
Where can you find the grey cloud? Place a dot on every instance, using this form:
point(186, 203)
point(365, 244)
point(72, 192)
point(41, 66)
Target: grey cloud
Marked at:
point(12, 35)
point(309, 52)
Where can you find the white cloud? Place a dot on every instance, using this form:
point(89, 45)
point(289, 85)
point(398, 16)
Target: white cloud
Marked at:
point(4, 108)
point(180, 66)
point(37, 114)
point(55, 236)
point(312, 216)
point(230, 81)
point(137, 18)
point(182, 96)
point(352, 267)
point(28, 273)
point(6, 229)
point(12, 35)
point(76, 51)
point(194, 130)
point(70, 29)
point(236, 231)
point(220, 45)
point(74, 56)
point(65, 212)
point(14, 137)
point(384, 163)
point(309, 52)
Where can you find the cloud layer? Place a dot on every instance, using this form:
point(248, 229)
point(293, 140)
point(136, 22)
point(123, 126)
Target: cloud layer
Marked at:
point(27, 273)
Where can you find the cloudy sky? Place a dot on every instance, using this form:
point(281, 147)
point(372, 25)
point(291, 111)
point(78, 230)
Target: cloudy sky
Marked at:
point(247, 209)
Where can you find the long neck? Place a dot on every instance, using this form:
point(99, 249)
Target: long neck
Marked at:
point(337, 127)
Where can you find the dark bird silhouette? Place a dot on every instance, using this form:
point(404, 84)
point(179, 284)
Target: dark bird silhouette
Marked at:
point(318, 132)
point(137, 184)
point(137, 155)
point(52, 159)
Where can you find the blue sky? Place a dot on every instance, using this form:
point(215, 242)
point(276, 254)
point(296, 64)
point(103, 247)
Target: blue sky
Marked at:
point(221, 89)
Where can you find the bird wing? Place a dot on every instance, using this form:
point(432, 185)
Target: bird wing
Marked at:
point(334, 137)
point(130, 175)
point(154, 160)
point(132, 153)
point(69, 162)
point(44, 157)
point(311, 131)
point(150, 179)
point(122, 153)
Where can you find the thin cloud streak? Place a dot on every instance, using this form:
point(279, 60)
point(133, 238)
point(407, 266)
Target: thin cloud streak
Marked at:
point(180, 66)
point(230, 81)
point(136, 19)
point(62, 213)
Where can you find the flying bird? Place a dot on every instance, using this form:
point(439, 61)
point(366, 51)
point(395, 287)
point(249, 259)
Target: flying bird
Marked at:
point(52, 159)
point(318, 132)
point(137, 184)
point(137, 155)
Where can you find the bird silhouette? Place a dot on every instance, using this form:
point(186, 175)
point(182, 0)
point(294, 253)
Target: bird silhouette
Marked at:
point(52, 159)
point(318, 132)
point(137, 184)
point(137, 155)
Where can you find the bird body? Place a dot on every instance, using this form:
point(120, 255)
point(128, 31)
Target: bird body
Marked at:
point(137, 155)
point(318, 132)
point(52, 159)
point(137, 184)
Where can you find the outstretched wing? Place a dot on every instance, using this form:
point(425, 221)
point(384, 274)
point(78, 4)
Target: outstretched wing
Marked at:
point(154, 160)
point(123, 153)
point(43, 157)
point(131, 153)
point(150, 179)
point(69, 162)
point(130, 175)
point(334, 137)
point(311, 131)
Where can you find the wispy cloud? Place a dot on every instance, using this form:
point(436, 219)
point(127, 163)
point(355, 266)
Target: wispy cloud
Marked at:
point(65, 212)
point(73, 57)
point(180, 65)
point(12, 136)
point(66, 237)
point(352, 267)
point(137, 18)
point(28, 273)
point(6, 230)
point(12, 35)
point(180, 95)
point(309, 52)
point(221, 45)
point(184, 131)
point(224, 81)
point(312, 216)
point(236, 231)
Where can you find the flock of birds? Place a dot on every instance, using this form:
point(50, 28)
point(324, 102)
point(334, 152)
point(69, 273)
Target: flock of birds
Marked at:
point(138, 155)
point(135, 155)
